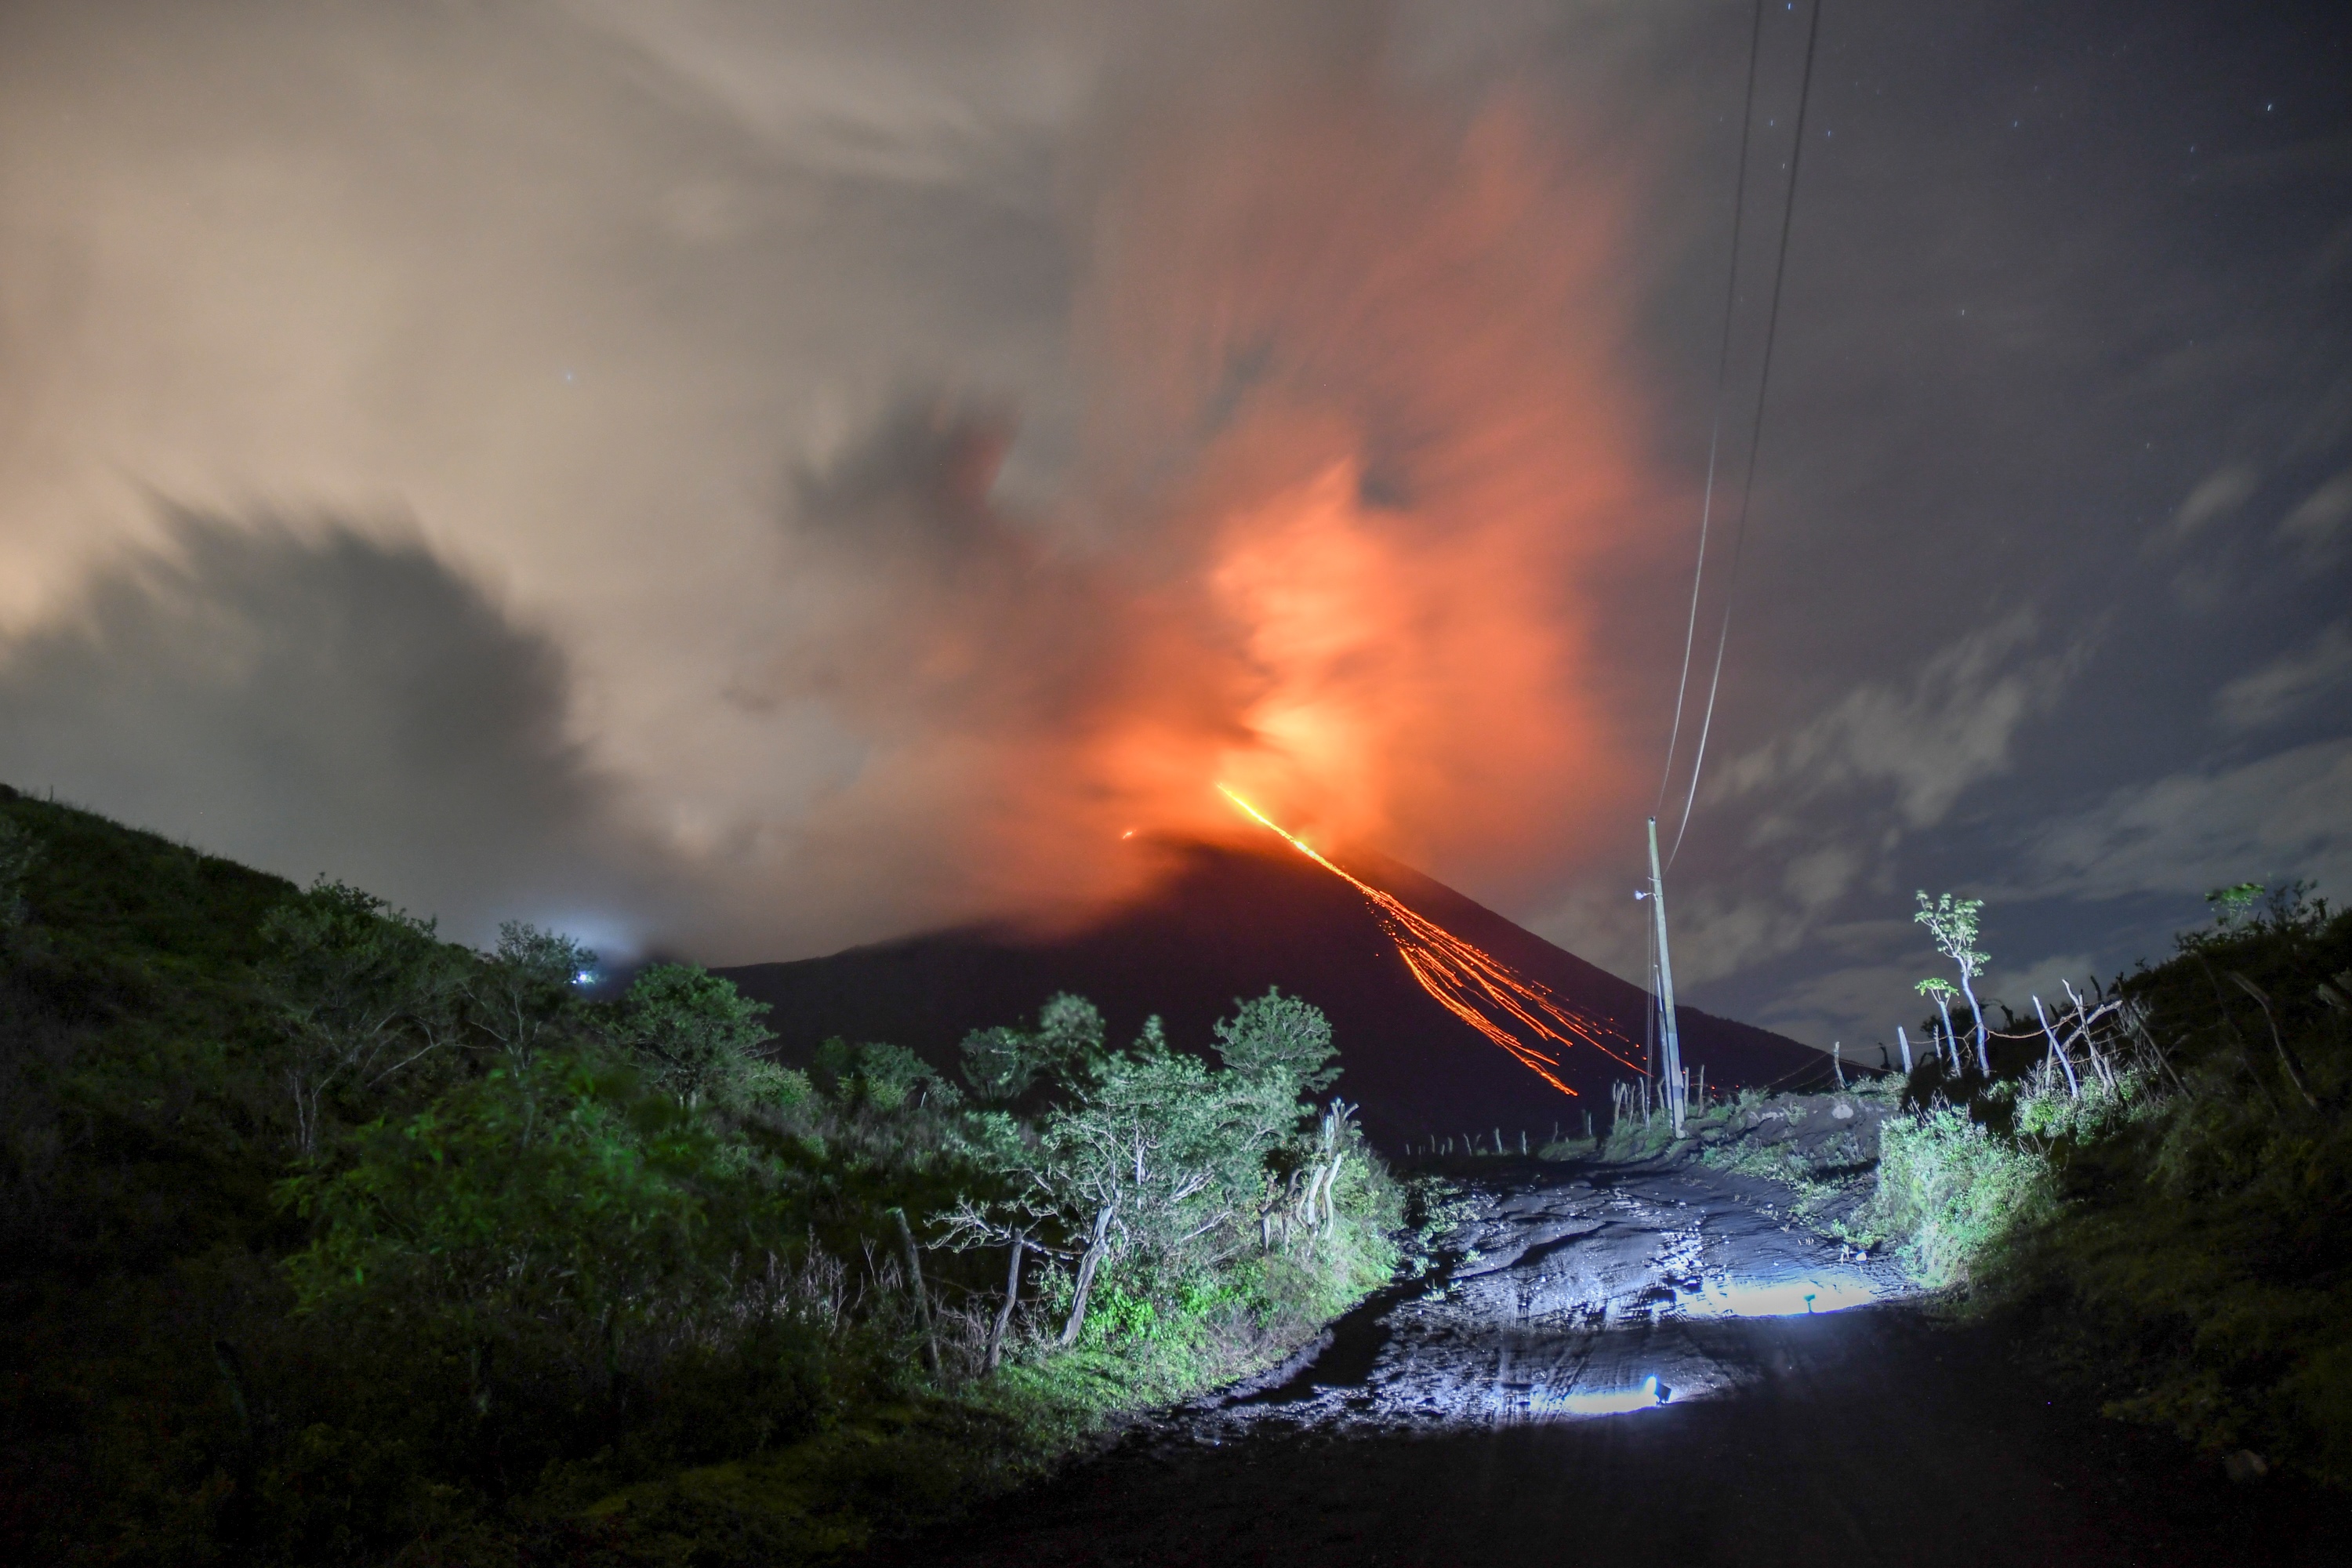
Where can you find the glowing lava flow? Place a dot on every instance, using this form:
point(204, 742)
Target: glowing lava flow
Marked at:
point(1466, 980)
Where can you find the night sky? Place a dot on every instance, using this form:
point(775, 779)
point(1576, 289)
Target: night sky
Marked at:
point(741, 480)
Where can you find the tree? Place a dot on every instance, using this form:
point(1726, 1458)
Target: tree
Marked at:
point(554, 1221)
point(1160, 1152)
point(693, 1032)
point(1940, 991)
point(1953, 924)
point(880, 1076)
point(1011, 1224)
point(362, 990)
point(1004, 1063)
point(1149, 1152)
point(2231, 904)
point(522, 997)
point(1279, 1036)
point(1130, 1160)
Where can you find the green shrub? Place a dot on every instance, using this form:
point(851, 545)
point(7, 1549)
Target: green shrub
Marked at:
point(1954, 1192)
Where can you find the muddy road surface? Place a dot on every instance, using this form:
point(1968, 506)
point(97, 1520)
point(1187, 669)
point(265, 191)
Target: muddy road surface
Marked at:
point(1633, 1365)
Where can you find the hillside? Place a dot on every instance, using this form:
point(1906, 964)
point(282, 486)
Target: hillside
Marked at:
point(1229, 922)
point(331, 1241)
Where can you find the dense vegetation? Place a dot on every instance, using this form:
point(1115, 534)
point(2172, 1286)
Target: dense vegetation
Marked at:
point(2161, 1180)
point(333, 1241)
point(2156, 1180)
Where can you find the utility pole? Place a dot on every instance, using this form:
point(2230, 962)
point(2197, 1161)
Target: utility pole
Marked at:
point(1671, 1037)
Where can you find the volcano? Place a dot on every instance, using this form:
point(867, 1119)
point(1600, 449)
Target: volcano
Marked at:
point(1224, 922)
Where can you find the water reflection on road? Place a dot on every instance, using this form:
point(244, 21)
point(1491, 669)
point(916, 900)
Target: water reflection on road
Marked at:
point(1572, 1296)
point(1642, 1364)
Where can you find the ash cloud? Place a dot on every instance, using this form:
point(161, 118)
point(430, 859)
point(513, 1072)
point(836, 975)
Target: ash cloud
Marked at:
point(320, 698)
point(1363, 444)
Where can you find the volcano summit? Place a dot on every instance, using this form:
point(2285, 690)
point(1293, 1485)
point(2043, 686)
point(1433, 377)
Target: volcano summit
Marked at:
point(1224, 922)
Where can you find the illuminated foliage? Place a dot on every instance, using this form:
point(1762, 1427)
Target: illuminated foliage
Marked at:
point(1952, 922)
point(528, 1253)
point(694, 1032)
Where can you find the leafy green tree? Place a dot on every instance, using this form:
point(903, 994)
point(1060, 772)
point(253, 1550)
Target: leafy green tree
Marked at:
point(1132, 1160)
point(1952, 922)
point(2231, 904)
point(1278, 1036)
point(693, 1032)
point(1159, 1153)
point(1004, 1063)
point(527, 991)
point(362, 990)
point(880, 1077)
point(554, 1221)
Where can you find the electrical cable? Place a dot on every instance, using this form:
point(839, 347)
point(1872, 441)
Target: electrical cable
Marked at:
point(1756, 431)
point(1714, 424)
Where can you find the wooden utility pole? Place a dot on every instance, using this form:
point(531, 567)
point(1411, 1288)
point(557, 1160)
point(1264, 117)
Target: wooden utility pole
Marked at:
point(1669, 1037)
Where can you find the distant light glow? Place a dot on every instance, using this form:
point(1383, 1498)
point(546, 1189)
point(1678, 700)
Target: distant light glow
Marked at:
point(1618, 1401)
point(585, 977)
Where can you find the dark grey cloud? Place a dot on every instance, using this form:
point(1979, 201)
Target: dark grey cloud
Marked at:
point(316, 699)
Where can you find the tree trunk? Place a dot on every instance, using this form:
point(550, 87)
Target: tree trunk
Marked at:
point(1319, 1197)
point(2074, 1085)
point(922, 1297)
point(1984, 1054)
point(1097, 1244)
point(1011, 1298)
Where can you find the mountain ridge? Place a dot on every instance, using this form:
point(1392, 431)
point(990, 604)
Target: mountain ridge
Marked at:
point(1225, 923)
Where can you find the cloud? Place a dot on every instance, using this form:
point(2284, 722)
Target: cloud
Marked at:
point(320, 698)
point(2316, 527)
point(1813, 838)
point(967, 97)
point(1857, 1004)
point(1717, 931)
point(2269, 820)
point(2287, 685)
point(1949, 726)
point(1362, 451)
point(2015, 988)
point(2217, 495)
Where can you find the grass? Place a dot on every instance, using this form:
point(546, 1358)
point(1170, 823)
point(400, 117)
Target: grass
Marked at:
point(2172, 1230)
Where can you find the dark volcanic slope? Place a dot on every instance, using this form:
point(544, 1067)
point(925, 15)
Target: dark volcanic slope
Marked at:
point(1228, 923)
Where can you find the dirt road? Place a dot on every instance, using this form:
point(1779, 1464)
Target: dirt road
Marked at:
point(1645, 1365)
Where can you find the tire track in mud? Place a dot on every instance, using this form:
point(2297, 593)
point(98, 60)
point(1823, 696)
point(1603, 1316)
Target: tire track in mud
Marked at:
point(1502, 1411)
point(1559, 1299)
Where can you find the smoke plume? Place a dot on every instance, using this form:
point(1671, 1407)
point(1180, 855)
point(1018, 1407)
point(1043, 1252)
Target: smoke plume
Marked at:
point(1360, 442)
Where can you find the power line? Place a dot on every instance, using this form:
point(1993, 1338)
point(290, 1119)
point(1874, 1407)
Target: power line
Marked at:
point(1714, 424)
point(1756, 431)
